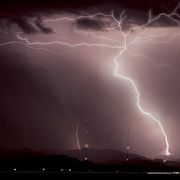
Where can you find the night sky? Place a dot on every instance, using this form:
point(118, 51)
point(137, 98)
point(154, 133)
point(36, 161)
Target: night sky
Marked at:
point(57, 70)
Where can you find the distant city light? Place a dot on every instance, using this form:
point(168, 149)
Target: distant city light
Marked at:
point(86, 146)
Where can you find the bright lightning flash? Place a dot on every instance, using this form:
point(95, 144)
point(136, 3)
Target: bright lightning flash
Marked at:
point(76, 133)
point(122, 47)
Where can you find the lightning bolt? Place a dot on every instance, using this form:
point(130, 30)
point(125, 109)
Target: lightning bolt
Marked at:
point(138, 100)
point(123, 46)
point(130, 80)
point(68, 44)
point(76, 133)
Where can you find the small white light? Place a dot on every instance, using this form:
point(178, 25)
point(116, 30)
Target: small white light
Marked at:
point(86, 146)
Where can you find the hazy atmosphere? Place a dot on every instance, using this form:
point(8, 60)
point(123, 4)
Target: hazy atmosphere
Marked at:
point(64, 62)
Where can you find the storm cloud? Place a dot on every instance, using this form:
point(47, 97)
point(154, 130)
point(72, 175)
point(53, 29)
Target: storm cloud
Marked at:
point(27, 24)
point(28, 16)
point(23, 23)
point(41, 27)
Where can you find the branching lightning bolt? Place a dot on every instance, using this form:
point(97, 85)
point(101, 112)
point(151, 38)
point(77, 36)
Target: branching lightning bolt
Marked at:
point(123, 46)
point(138, 101)
point(76, 133)
point(130, 80)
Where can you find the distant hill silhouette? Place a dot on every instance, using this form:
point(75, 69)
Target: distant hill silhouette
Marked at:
point(118, 159)
point(106, 156)
point(98, 160)
point(28, 160)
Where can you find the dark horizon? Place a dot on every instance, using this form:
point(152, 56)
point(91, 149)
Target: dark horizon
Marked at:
point(99, 161)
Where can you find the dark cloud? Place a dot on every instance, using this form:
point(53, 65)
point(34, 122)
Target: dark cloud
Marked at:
point(140, 5)
point(41, 27)
point(137, 13)
point(132, 18)
point(26, 24)
point(19, 7)
point(165, 21)
point(23, 23)
point(142, 18)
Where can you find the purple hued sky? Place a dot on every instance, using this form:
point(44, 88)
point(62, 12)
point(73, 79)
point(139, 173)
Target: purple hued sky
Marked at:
point(54, 74)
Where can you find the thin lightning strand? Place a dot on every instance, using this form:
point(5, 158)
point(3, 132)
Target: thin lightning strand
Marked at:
point(28, 46)
point(150, 39)
point(75, 19)
point(68, 44)
point(99, 37)
point(146, 57)
point(76, 133)
point(170, 16)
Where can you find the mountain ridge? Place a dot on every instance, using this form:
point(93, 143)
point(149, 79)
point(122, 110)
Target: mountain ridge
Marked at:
point(98, 159)
point(102, 156)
